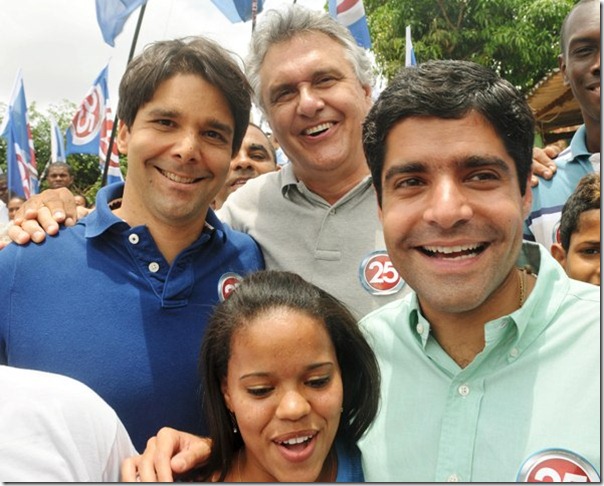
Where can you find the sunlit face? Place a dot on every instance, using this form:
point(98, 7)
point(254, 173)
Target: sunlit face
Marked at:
point(255, 157)
point(315, 104)
point(285, 388)
point(451, 210)
point(580, 63)
point(58, 177)
point(13, 206)
point(582, 261)
point(179, 150)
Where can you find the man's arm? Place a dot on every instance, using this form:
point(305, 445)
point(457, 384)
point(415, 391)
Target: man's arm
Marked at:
point(171, 452)
point(42, 213)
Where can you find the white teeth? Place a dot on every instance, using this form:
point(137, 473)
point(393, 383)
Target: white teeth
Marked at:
point(175, 178)
point(318, 128)
point(296, 440)
point(450, 249)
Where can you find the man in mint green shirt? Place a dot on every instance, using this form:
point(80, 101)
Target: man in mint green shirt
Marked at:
point(491, 367)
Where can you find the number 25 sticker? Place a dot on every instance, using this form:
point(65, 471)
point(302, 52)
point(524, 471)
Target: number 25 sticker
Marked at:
point(378, 276)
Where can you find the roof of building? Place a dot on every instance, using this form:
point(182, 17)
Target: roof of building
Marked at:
point(554, 105)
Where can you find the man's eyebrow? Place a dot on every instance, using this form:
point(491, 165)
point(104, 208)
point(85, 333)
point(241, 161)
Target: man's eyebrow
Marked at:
point(582, 40)
point(258, 146)
point(405, 168)
point(163, 112)
point(478, 161)
point(168, 113)
point(471, 162)
point(317, 74)
point(219, 125)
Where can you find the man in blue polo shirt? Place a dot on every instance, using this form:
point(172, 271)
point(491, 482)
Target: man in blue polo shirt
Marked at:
point(580, 64)
point(120, 301)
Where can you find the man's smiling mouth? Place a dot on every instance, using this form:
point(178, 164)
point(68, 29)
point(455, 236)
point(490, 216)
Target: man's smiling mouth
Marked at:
point(177, 178)
point(453, 252)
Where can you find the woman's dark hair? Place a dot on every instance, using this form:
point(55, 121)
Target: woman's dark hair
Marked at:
point(261, 292)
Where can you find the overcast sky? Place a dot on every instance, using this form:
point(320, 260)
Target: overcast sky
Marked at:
point(60, 49)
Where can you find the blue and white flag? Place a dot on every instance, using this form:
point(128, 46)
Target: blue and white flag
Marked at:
point(239, 10)
point(112, 15)
point(409, 52)
point(22, 173)
point(351, 13)
point(84, 134)
point(57, 144)
point(91, 127)
point(114, 174)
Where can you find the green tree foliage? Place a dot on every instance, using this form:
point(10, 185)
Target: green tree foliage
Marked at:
point(520, 39)
point(85, 166)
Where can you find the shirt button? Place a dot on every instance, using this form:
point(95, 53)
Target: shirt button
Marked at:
point(153, 267)
point(133, 238)
point(464, 390)
point(514, 352)
point(453, 478)
point(419, 328)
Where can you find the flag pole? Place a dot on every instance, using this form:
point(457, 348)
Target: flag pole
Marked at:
point(115, 120)
point(254, 13)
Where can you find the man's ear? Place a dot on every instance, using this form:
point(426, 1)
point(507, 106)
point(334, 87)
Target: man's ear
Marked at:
point(527, 199)
point(123, 138)
point(562, 66)
point(559, 254)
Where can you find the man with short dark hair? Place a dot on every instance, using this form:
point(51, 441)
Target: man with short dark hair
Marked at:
point(120, 301)
point(490, 368)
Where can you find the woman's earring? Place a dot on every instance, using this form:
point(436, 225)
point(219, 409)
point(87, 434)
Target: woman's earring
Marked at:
point(234, 422)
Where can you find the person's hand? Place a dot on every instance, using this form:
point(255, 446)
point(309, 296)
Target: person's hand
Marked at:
point(170, 453)
point(42, 213)
point(543, 164)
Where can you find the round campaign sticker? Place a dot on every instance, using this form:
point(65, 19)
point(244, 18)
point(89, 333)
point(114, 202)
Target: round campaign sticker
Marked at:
point(227, 284)
point(378, 275)
point(87, 121)
point(557, 466)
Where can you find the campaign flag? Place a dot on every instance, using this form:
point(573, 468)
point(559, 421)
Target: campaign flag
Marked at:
point(409, 52)
point(57, 144)
point(91, 126)
point(114, 174)
point(239, 10)
point(22, 173)
point(351, 13)
point(112, 15)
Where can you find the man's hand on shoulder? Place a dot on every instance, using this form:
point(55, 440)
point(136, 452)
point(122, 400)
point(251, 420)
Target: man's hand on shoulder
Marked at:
point(170, 453)
point(42, 213)
point(543, 164)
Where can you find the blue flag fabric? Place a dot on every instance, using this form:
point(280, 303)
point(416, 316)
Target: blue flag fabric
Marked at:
point(22, 173)
point(112, 15)
point(351, 13)
point(409, 52)
point(238, 10)
point(91, 127)
point(57, 144)
point(84, 134)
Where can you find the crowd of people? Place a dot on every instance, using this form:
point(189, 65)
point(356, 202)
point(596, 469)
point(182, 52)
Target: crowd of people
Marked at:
point(373, 310)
